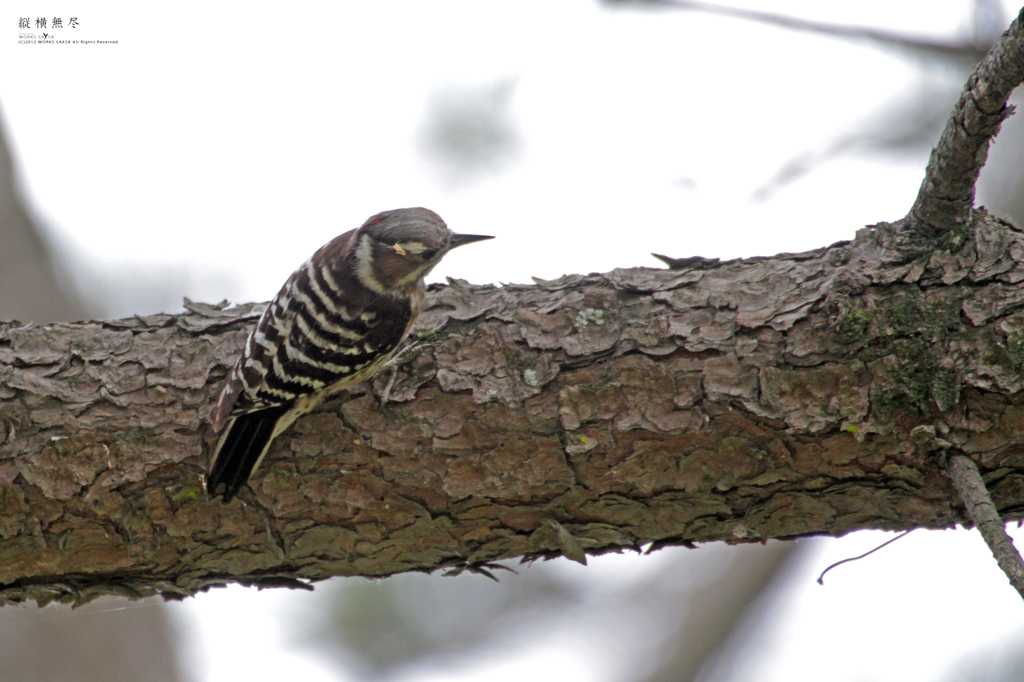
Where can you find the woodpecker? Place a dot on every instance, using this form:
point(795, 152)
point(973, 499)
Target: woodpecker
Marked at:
point(337, 319)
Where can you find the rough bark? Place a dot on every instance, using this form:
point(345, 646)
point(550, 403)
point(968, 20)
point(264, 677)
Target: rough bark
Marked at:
point(764, 398)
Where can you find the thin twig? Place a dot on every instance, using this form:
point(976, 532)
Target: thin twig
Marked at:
point(821, 578)
point(983, 513)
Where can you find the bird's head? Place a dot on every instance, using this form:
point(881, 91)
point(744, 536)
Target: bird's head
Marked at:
point(396, 249)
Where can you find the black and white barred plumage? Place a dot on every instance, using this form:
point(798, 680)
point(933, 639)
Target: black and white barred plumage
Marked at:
point(337, 319)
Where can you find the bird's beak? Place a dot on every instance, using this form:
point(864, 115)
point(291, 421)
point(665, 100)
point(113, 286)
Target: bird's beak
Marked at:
point(462, 239)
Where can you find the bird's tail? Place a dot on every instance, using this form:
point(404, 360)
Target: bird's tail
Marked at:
point(240, 450)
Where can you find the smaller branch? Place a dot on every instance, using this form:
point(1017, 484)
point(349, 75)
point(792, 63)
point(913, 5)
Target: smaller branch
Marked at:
point(983, 512)
point(946, 197)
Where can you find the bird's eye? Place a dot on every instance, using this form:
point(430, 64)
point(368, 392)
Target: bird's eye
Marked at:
point(428, 254)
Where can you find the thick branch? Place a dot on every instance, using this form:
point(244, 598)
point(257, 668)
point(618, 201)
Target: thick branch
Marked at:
point(767, 398)
point(946, 197)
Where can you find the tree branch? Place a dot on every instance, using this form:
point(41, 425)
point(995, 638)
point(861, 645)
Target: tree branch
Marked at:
point(739, 401)
point(765, 398)
point(982, 511)
point(946, 197)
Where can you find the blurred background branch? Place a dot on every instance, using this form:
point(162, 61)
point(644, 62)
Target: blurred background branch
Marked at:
point(32, 289)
